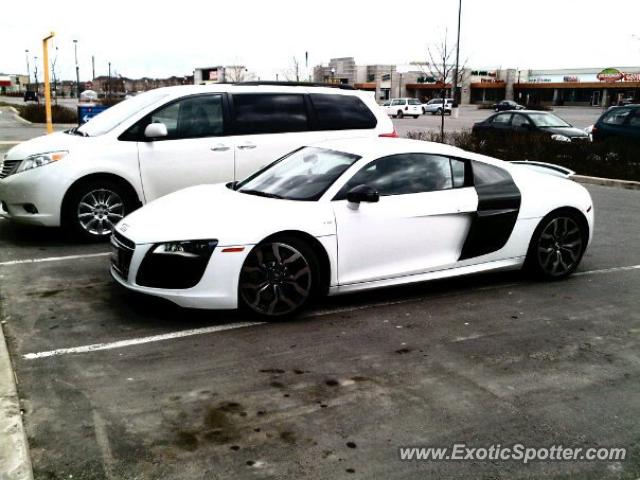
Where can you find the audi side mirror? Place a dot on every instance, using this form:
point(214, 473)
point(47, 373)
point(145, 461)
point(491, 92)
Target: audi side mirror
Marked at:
point(155, 130)
point(363, 193)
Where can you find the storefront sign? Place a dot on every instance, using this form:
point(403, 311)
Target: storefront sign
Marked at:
point(571, 79)
point(610, 75)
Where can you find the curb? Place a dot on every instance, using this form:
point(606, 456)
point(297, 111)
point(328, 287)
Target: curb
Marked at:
point(607, 182)
point(15, 463)
point(16, 115)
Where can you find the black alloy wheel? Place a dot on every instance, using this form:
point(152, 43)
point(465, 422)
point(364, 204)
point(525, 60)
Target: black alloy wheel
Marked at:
point(557, 246)
point(278, 277)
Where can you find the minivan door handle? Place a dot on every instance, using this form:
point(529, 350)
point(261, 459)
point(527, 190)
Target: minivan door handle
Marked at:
point(247, 146)
point(220, 147)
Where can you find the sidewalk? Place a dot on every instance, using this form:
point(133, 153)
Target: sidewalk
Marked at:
point(15, 463)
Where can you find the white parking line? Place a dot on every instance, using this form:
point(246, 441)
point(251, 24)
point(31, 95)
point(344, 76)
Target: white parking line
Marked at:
point(231, 326)
point(139, 341)
point(53, 259)
point(607, 270)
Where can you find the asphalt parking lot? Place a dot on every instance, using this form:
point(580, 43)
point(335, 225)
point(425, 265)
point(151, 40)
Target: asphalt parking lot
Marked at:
point(115, 386)
point(580, 117)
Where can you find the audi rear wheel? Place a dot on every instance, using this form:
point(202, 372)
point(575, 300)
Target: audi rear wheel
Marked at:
point(557, 245)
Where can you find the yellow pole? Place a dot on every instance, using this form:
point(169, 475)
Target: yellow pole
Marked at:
point(47, 89)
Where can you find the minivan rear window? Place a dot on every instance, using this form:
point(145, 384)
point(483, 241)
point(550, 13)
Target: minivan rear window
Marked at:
point(342, 112)
point(269, 113)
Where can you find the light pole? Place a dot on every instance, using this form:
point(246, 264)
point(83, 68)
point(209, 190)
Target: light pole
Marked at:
point(47, 89)
point(109, 82)
point(35, 74)
point(455, 73)
point(75, 48)
point(26, 52)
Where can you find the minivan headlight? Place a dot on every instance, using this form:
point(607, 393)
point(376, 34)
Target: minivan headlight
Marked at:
point(41, 159)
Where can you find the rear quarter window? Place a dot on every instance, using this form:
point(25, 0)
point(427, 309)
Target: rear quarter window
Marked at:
point(341, 112)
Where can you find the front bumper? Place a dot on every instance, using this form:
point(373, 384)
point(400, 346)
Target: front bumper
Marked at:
point(18, 192)
point(217, 289)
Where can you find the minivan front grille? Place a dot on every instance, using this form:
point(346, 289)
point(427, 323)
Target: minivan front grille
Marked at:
point(7, 167)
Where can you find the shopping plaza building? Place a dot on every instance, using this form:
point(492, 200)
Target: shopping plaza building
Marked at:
point(600, 86)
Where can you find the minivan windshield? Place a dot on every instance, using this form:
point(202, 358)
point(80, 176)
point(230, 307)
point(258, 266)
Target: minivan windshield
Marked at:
point(114, 116)
point(304, 174)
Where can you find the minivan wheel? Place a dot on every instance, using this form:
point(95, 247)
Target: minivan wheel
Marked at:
point(400, 114)
point(279, 277)
point(557, 246)
point(93, 209)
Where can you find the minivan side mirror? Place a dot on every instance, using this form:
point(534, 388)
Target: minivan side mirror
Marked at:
point(363, 193)
point(155, 130)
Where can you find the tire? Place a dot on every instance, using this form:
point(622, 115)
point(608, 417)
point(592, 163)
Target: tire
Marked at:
point(92, 209)
point(400, 114)
point(557, 245)
point(279, 277)
point(416, 116)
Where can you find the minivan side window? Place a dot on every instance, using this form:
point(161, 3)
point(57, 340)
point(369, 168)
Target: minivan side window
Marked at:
point(269, 113)
point(195, 116)
point(341, 112)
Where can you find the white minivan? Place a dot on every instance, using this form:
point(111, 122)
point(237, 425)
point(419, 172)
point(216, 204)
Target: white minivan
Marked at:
point(88, 178)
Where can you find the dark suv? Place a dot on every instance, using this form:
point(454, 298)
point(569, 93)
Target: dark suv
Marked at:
point(618, 122)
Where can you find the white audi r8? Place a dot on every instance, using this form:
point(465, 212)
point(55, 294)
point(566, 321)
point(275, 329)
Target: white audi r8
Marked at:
point(351, 215)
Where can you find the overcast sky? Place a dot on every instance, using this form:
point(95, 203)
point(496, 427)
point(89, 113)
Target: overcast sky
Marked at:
point(171, 38)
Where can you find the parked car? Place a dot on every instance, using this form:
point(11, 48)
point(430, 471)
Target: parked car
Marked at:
point(350, 215)
point(507, 105)
point(618, 122)
point(529, 122)
point(88, 178)
point(31, 96)
point(401, 107)
point(436, 105)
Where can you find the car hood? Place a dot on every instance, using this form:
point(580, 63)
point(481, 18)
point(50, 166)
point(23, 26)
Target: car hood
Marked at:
point(571, 132)
point(217, 212)
point(45, 143)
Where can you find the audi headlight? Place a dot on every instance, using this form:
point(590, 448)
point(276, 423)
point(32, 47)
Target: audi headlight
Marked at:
point(191, 248)
point(175, 264)
point(560, 138)
point(40, 160)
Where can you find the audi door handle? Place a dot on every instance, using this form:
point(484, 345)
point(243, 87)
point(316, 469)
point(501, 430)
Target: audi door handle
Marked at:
point(247, 146)
point(219, 148)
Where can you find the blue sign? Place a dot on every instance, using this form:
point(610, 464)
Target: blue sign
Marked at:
point(86, 112)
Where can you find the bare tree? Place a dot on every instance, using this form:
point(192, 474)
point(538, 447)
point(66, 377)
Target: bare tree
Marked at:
point(442, 69)
point(235, 73)
point(54, 74)
point(293, 73)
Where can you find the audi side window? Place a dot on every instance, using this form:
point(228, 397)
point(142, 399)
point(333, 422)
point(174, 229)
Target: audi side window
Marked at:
point(634, 121)
point(269, 113)
point(192, 117)
point(403, 174)
point(342, 112)
point(458, 173)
